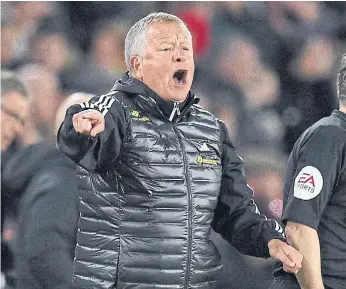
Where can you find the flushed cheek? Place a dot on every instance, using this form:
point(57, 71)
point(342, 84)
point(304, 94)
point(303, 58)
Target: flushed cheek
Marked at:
point(168, 81)
point(161, 77)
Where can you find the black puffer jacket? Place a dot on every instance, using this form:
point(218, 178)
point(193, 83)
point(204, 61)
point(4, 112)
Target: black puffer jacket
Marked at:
point(148, 207)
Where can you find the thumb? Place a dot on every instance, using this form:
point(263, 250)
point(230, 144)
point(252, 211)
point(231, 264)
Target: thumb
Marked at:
point(97, 129)
point(93, 133)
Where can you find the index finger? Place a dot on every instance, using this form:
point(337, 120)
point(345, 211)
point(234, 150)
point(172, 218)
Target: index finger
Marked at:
point(92, 114)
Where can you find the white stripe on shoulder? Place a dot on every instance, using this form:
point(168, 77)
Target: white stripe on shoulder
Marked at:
point(99, 100)
point(108, 106)
point(105, 102)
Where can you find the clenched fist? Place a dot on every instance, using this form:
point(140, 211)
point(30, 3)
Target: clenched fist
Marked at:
point(90, 122)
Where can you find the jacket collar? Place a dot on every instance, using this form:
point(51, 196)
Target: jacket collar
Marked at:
point(149, 99)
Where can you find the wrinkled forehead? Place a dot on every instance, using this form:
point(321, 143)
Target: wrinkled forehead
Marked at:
point(167, 29)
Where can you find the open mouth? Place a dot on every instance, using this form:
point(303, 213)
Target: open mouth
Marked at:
point(179, 77)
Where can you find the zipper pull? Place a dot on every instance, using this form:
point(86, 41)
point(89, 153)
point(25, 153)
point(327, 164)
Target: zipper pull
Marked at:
point(176, 109)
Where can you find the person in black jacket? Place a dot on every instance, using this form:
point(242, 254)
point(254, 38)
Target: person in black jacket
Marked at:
point(14, 110)
point(315, 201)
point(158, 172)
point(47, 216)
point(48, 212)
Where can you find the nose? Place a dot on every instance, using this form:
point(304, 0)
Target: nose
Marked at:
point(179, 56)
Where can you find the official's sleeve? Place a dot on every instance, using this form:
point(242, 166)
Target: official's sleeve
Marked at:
point(237, 217)
point(102, 150)
point(50, 229)
point(317, 165)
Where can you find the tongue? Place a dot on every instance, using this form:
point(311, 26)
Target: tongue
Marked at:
point(179, 78)
point(177, 82)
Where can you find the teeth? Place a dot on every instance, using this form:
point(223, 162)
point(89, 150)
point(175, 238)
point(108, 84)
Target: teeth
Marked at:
point(180, 82)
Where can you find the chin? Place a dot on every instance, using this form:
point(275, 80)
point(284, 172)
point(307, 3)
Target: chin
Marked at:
point(179, 98)
point(180, 95)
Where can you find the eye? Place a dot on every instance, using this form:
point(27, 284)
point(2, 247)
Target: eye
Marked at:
point(166, 49)
point(186, 49)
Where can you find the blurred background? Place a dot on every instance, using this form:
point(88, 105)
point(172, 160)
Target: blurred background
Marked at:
point(267, 69)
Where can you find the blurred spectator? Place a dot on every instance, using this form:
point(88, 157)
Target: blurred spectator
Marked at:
point(294, 20)
point(14, 109)
point(307, 89)
point(52, 49)
point(105, 60)
point(250, 19)
point(48, 212)
point(44, 88)
point(22, 21)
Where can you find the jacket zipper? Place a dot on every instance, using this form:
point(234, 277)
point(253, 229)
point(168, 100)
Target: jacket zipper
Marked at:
point(189, 193)
point(175, 110)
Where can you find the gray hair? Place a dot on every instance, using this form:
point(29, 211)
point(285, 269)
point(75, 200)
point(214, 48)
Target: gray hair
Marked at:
point(136, 39)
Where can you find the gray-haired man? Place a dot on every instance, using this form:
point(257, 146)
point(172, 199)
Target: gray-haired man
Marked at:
point(159, 173)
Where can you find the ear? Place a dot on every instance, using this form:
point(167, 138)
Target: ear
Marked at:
point(137, 67)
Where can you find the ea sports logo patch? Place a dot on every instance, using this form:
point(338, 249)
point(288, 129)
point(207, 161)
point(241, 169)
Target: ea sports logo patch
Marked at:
point(308, 183)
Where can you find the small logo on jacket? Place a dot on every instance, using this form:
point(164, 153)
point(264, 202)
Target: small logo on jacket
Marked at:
point(201, 160)
point(307, 179)
point(204, 148)
point(136, 115)
point(308, 183)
